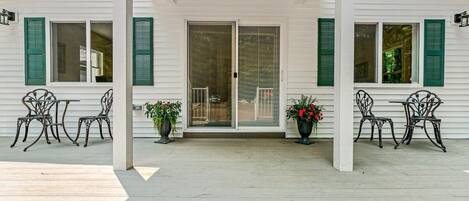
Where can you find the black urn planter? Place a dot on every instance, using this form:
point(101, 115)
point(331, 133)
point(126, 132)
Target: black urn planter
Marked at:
point(165, 130)
point(304, 128)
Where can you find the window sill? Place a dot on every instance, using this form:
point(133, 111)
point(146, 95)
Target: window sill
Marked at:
point(387, 86)
point(78, 84)
point(85, 84)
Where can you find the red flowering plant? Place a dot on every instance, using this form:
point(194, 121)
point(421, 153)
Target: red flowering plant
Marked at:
point(305, 109)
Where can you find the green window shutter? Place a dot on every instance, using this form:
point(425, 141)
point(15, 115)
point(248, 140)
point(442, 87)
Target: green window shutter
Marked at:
point(143, 51)
point(326, 52)
point(35, 51)
point(434, 53)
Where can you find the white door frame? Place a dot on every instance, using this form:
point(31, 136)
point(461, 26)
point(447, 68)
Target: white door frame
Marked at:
point(240, 21)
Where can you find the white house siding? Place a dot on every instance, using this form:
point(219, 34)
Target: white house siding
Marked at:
point(169, 49)
point(455, 110)
point(169, 55)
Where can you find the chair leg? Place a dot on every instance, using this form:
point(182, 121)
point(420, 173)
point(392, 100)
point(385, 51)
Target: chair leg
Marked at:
point(19, 123)
point(409, 137)
point(52, 131)
point(88, 125)
point(78, 131)
point(404, 137)
point(100, 125)
point(392, 132)
point(372, 130)
point(45, 131)
point(359, 130)
point(436, 130)
point(380, 138)
point(26, 130)
point(437, 136)
point(44, 128)
point(108, 122)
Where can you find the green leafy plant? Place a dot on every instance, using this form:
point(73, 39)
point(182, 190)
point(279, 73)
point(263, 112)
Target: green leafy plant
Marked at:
point(163, 111)
point(306, 109)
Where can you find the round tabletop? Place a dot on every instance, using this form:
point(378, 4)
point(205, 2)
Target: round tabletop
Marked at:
point(408, 102)
point(58, 100)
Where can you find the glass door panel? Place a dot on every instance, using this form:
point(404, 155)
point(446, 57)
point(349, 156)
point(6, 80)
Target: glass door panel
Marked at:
point(210, 58)
point(259, 80)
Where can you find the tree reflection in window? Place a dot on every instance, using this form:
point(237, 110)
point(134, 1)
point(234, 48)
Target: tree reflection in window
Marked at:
point(392, 65)
point(398, 42)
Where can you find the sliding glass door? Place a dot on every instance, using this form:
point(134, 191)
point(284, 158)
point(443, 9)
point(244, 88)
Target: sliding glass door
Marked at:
point(259, 70)
point(233, 75)
point(210, 60)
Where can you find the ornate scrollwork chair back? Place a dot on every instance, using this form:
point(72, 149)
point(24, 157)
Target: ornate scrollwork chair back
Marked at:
point(106, 103)
point(423, 103)
point(364, 103)
point(39, 102)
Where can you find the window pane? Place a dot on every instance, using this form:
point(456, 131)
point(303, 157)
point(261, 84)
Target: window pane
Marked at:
point(210, 62)
point(398, 53)
point(69, 52)
point(101, 52)
point(259, 80)
point(365, 53)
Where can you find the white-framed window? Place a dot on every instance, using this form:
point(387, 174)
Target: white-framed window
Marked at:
point(81, 51)
point(387, 53)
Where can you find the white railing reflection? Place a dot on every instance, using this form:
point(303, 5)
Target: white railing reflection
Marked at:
point(200, 105)
point(263, 104)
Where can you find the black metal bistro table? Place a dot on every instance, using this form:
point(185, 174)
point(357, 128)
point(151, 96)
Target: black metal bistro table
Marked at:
point(62, 122)
point(405, 104)
point(56, 123)
point(407, 135)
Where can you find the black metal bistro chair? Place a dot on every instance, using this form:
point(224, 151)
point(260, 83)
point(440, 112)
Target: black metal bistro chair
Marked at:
point(420, 109)
point(106, 105)
point(365, 104)
point(39, 103)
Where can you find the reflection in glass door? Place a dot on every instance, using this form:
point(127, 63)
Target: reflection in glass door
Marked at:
point(210, 63)
point(258, 82)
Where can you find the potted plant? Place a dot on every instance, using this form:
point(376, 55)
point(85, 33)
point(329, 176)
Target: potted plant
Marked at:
point(307, 115)
point(164, 115)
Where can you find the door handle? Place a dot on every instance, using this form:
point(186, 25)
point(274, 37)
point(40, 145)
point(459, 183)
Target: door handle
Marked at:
point(235, 75)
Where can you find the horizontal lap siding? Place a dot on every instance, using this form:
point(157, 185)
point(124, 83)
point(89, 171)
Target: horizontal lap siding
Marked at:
point(168, 49)
point(302, 62)
point(455, 110)
point(168, 72)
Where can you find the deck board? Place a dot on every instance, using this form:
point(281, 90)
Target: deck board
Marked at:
point(234, 169)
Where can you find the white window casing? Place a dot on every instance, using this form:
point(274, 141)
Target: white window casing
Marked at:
point(417, 56)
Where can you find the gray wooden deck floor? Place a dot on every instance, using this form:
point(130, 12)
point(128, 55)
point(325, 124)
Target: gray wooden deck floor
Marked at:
point(234, 169)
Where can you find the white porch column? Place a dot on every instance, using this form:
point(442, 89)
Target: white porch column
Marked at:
point(122, 147)
point(343, 107)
